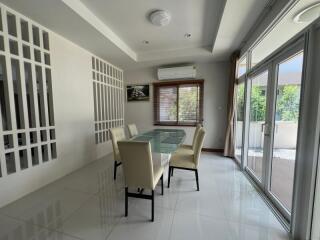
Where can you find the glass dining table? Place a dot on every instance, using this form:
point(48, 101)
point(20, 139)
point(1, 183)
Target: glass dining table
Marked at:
point(164, 141)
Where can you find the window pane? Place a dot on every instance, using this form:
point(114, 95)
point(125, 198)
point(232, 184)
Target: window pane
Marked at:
point(188, 104)
point(168, 104)
point(286, 129)
point(242, 67)
point(257, 123)
point(239, 117)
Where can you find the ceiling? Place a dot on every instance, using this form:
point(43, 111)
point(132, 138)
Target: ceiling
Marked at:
point(282, 32)
point(116, 29)
point(132, 25)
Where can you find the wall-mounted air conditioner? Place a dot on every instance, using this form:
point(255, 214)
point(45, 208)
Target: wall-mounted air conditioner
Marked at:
point(183, 72)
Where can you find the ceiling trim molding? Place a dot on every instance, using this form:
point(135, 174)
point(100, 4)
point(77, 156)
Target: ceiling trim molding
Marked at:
point(79, 8)
point(216, 32)
point(204, 51)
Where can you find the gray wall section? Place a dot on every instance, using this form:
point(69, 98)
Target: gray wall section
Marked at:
point(216, 77)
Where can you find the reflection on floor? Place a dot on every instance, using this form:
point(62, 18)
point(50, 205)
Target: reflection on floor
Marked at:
point(89, 205)
point(282, 174)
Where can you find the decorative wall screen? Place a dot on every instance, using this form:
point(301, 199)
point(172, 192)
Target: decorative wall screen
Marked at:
point(27, 128)
point(108, 97)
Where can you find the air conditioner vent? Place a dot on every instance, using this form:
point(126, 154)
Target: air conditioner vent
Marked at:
point(183, 72)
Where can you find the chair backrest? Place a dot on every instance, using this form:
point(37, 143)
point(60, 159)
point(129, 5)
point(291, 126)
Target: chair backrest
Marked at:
point(132, 129)
point(198, 145)
point(117, 134)
point(196, 131)
point(137, 164)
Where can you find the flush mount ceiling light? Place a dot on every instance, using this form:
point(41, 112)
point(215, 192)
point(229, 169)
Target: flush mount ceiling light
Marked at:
point(187, 35)
point(308, 14)
point(160, 18)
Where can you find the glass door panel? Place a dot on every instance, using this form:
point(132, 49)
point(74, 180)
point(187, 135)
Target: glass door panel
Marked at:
point(285, 128)
point(258, 101)
point(239, 120)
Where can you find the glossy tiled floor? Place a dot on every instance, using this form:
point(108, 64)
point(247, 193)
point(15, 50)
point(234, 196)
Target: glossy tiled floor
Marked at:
point(89, 205)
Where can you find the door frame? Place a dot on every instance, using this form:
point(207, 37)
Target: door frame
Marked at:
point(261, 69)
point(270, 65)
point(291, 51)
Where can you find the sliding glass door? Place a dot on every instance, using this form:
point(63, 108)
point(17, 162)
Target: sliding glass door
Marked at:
point(285, 131)
point(257, 122)
point(274, 94)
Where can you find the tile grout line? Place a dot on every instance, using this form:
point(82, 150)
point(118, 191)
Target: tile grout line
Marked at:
point(43, 227)
point(174, 214)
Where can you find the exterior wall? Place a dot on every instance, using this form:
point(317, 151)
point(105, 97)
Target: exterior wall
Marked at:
point(285, 135)
point(216, 84)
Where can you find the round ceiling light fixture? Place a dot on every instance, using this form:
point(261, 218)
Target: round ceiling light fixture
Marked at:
point(160, 18)
point(187, 35)
point(308, 14)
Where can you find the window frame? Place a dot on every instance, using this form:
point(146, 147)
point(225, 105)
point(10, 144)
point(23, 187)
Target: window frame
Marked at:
point(156, 88)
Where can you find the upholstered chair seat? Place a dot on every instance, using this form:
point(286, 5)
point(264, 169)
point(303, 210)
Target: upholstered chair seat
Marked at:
point(184, 150)
point(183, 159)
point(190, 148)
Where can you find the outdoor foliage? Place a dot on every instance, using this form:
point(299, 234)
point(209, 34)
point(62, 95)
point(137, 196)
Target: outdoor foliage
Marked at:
point(240, 102)
point(188, 105)
point(258, 104)
point(287, 103)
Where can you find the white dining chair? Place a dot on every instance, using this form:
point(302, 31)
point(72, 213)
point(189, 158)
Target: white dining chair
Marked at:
point(117, 134)
point(139, 171)
point(132, 129)
point(188, 160)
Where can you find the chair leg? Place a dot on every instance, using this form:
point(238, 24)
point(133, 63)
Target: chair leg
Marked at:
point(126, 202)
point(169, 175)
point(152, 207)
point(197, 179)
point(162, 184)
point(172, 172)
point(115, 170)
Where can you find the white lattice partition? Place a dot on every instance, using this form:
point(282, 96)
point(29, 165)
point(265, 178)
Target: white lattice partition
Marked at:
point(27, 125)
point(108, 97)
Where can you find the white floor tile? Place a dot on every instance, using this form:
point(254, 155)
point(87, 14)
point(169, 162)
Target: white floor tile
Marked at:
point(20, 230)
point(194, 226)
point(137, 226)
point(50, 210)
point(95, 219)
point(89, 204)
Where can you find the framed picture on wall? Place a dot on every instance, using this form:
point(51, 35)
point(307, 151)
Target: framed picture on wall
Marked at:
point(138, 93)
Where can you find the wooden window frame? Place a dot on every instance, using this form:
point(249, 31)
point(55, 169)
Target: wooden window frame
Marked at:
point(158, 85)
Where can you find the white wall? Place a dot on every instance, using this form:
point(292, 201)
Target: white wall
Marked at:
point(216, 76)
point(74, 121)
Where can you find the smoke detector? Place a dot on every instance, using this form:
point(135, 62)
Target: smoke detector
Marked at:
point(308, 14)
point(160, 18)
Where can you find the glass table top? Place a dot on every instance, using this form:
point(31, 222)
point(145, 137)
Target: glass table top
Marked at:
point(162, 140)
